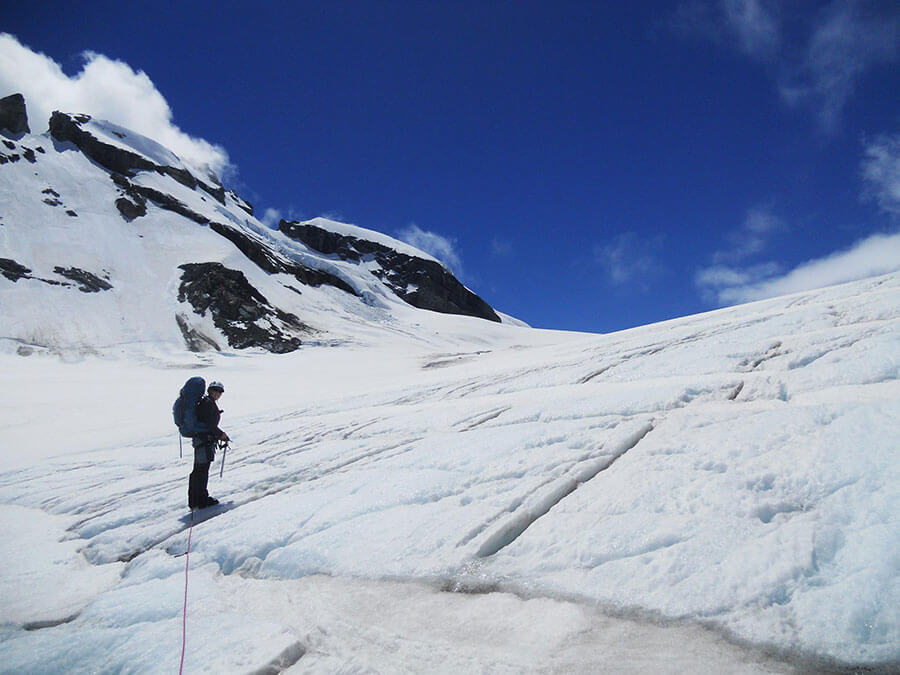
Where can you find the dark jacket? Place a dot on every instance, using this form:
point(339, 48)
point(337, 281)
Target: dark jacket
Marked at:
point(208, 413)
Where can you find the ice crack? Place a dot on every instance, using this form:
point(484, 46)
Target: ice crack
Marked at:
point(512, 529)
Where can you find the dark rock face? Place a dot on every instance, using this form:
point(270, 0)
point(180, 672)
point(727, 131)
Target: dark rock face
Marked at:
point(13, 157)
point(20, 152)
point(131, 208)
point(242, 203)
point(425, 284)
point(87, 282)
point(13, 116)
point(133, 204)
point(272, 263)
point(65, 127)
point(13, 270)
point(240, 311)
point(51, 198)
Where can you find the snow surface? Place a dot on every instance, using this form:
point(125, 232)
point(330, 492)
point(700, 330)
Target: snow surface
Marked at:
point(712, 494)
point(126, 139)
point(120, 137)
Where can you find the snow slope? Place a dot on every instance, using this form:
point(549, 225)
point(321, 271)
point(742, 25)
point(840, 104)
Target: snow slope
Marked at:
point(473, 497)
point(126, 213)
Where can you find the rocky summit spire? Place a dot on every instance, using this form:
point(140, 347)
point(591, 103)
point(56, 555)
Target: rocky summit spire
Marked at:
point(13, 117)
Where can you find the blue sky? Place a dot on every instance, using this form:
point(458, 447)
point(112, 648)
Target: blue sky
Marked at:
point(581, 165)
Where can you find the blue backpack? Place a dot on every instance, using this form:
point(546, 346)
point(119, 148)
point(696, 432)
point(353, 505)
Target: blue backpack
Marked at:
point(184, 410)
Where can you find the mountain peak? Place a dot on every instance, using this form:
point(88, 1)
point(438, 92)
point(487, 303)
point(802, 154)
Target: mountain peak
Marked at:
point(412, 275)
point(183, 262)
point(13, 115)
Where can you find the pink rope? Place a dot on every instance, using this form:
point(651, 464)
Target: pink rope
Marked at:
point(187, 562)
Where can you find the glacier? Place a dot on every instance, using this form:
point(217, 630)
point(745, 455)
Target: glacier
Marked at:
point(722, 485)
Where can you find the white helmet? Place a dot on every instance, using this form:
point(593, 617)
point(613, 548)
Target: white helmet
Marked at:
point(215, 384)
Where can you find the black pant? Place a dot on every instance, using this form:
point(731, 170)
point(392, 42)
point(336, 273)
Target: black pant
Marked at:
point(197, 494)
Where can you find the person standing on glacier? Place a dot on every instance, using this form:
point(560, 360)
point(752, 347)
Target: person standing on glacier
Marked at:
point(208, 413)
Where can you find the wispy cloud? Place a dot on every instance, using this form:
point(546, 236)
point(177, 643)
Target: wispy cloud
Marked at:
point(752, 237)
point(501, 248)
point(754, 24)
point(271, 218)
point(846, 41)
point(751, 25)
point(881, 172)
point(629, 259)
point(816, 58)
point(105, 88)
point(874, 255)
point(436, 245)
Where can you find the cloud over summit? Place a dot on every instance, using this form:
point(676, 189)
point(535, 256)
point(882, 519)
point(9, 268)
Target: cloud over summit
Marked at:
point(105, 88)
point(442, 248)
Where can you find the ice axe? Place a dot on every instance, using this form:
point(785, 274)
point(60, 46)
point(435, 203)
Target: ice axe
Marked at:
point(224, 447)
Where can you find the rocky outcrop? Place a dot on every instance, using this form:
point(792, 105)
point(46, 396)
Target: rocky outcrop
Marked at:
point(240, 311)
point(65, 127)
point(241, 203)
point(138, 194)
point(425, 284)
point(133, 204)
point(18, 152)
point(13, 116)
point(131, 207)
point(13, 271)
point(87, 282)
point(266, 258)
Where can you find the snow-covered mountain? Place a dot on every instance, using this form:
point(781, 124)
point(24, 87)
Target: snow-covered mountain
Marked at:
point(416, 491)
point(108, 241)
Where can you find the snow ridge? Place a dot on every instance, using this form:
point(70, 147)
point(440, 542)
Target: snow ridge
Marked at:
point(99, 202)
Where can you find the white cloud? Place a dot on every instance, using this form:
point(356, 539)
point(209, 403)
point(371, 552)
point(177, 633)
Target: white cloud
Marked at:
point(759, 226)
point(271, 218)
point(881, 172)
point(877, 254)
point(440, 247)
point(106, 89)
point(844, 44)
point(717, 281)
point(628, 259)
